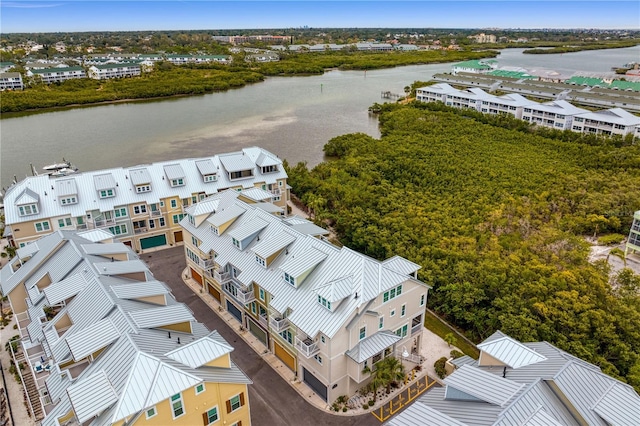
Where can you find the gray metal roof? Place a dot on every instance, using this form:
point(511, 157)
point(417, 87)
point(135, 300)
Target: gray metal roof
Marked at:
point(273, 245)
point(270, 208)
point(300, 263)
point(374, 344)
point(140, 176)
point(620, 405)
point(421, 414)
point(174, 171)
point(401, 265)
point(138, 290)
point(92, 338)
point(257, 194)
point(511, 352)
point(62, 290)
point(337, 289)
point(66, 187)
point(206, 167)
point(310, 229)
point(91, 396)
point(104, 181)
point(221, 217)
point(28, 250)
point(27, 196)
point(267, 159)
point(483, 385)
point(236, 162)
point(105, 248)
point(121, 267)
point(470, 413)
point(248, 229)
point(197, 353)
point(161, 316)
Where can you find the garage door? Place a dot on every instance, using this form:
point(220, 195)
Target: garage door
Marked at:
point(284, 356)
point(314, 383)
point(196, 276)
point(257, 331)
point(237, 314)
point(177, 236)
point(150, 242)
point(213, 291)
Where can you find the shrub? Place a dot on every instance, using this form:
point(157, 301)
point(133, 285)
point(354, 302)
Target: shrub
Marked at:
point(344, 409)
point(365, 406)
point(455, 354)
point(611, 239)
point(371, 403)
point(439, 366)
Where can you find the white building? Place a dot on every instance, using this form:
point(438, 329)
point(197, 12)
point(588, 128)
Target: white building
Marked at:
point(614, 121)
point(54, 75)
point(555, 114)
point(107, 71)
point(11, 81)
point(511, 104)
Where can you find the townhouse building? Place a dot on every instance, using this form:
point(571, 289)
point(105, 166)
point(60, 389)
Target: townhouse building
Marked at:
point(119, 70)
point(555, 114)
point(514, 383)
point(11, 81)
point(141, 205)
point(326, 312)
point(475, 66)
point(56, 75)
point(6, 66)
point(511, 104)
point(633, 242)
point(104, 343)
point(614, 121)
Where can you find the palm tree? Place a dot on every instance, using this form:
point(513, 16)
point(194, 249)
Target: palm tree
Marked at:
point(393, 371)
point(377, 380)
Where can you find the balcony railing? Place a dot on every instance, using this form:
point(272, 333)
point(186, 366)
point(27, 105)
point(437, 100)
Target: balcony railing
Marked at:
point(246, 296)
point(307, 347)
point(276, 192)
point(416, 329)
point(221, 277)
point(279, 324)
point(155, 213)
point(262, 319)
point(140, 230)
point(103, 223)
point(208, 263)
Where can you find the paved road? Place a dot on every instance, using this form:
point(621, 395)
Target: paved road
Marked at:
point(273, 401)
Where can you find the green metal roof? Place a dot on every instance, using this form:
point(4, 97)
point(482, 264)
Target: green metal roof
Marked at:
point(625, 85)
point(62, 69)
point(587, 81)
point(479, 64)
point(511, 74)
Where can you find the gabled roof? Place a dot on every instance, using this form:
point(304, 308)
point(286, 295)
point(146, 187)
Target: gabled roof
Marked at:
point(483, 385)
point(161, 316)
point(265, 159)
point(248, 229)
point(374, 344)
point(138, 290)
point(91, 396)
point(62, 290)
point(92, 338)
point(221, 217)
point(27, 196)
point(300, 263)
point(273, 245)
point(511, 352)
point(615, 407)
point(236, 162)
point(421, 414)
point(337, 289)
point(96, 235)
point(401, 265)
point(198, 353)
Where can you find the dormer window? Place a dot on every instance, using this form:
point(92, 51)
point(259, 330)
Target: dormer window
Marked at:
point(68, 200)
point(261, 261)
point(107, 193)
point(236, 243)
point(175, 174)
point(143, 188)
point(214, 229)
point(324, 302)
point(28, 209)
point(290, 279)
point(67, 192)
point(177, 182)
point(269, 169)
point(210, 178)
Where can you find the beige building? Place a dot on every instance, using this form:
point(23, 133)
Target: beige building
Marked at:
point(141, 205)
point(327, 312)
point(104, 343)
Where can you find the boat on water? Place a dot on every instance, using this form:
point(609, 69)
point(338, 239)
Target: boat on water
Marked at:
point(60, 169)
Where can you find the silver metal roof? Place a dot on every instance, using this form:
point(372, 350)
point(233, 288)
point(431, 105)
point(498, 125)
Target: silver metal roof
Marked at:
point(257, 194)
point(104, 181)
point(310, 229)
point(161, 316)
point(401, 265)
point(174, 171)
point(92, 338)
point(62, 290)
point(236, 162)
point(66, 187)
point(91, 396)
point(267, 159)
point(421, 414)
point(483, 385)
point(297, 264)
point(248, 229)
point(105, 248)
point(270, 208)
point(138, 290)
point(27, 196)
point(374, 344)
point(27, 251)
point(276, 243)
point(196, 354)
point(511, 352)
point(121, 267)
point(96, 235)
point(140, 176)
point(206, 167)
point(221, 217)
point(620, 405)
point(337, 289)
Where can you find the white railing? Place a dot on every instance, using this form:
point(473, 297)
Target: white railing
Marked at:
point(140, 230)
point(155, 213)
point(222, 278)
point(208, 263)
point(306, 347)
point(279, 324)
point(246, 296)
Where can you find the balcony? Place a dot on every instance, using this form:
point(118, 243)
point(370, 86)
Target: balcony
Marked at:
point(208, 264)
point(246, 296)
point(416, 329)
point(263, 320)
point(140, 230)
point(103, 223)
point(221, 277)
point(155, 213)
point(276, 192)
point(279, 324)
point(306, 347)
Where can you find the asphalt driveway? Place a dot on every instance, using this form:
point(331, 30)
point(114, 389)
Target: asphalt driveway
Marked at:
point(273, 401)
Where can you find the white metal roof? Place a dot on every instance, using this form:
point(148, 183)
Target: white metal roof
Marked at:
point(236, 162)
point(483, 385)
point(104, 181)
point(120, 267)
point(27, 251)
point(91, 396)
point(267, 159)
point(96, 235)
point(138, 290)
point(140, 176)
point(198, 353)
point(613, 115)
point(248, 229)
point(297, 264)
point(401, 265)
point(206, 167)
point(92, 338)
point(221, 217)
point(62, 290)
point(174, 171)
point(337, 289)
point(374, 344)
point(270, 246)
point(161, 316)
point(106, 248)
point(66, 187)
point(511, 352)
point(421, 414)
point(257, 194)
point(620, 405)
point(27, 196)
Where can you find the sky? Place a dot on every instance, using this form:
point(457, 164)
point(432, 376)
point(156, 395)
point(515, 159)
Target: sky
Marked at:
point(87, 15)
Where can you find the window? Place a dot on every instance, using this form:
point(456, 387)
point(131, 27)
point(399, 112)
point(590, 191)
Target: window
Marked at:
point(121, 212)
point(152, 224)
point(290, 279)
point(174, 204)
point(381, 323)
point(42, 226)
point(402, 331)
point(142, 208)
point(64, 222)
point(118, 229)
point(324, 302)
point(286, 335)
point(68, 200)
point(403, 310)
point(211, 416)
point(318, 358)
point(143, 188)
point(391, 294)
point(176, 405)
point(199, 388)
point(177, 182)
point(214, 229)
point(261, 294)
point(194, 257)
point(151, 412)
point(363, 332)
point(236, 243)
point(161, 203)
point(195, 241)
point(234, 403)
point(262, 262)
point(161, 221)
point(253, 307)
point(27, 210)
point(210, 178)
point(392, 313)
point(106, 193)
point(177, 218)
point(377, 357)
point(422, 300)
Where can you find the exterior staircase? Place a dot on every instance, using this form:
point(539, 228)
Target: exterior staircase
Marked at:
point(30, 387)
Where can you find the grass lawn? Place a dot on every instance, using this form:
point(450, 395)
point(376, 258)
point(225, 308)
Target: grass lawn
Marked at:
point(441, 329)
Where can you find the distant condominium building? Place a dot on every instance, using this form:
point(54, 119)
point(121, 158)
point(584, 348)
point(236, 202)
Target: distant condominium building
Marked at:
point(141, 205)
point(57, 75)
point(119, 70)
point(11, 81)
point(326, 312)
point(475, 66)
point(614, 121)
point(555, 114)
point(633, 242)
point(103, 342)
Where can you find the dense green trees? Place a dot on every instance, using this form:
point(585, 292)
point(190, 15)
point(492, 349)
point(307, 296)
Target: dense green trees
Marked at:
point(494, 211)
